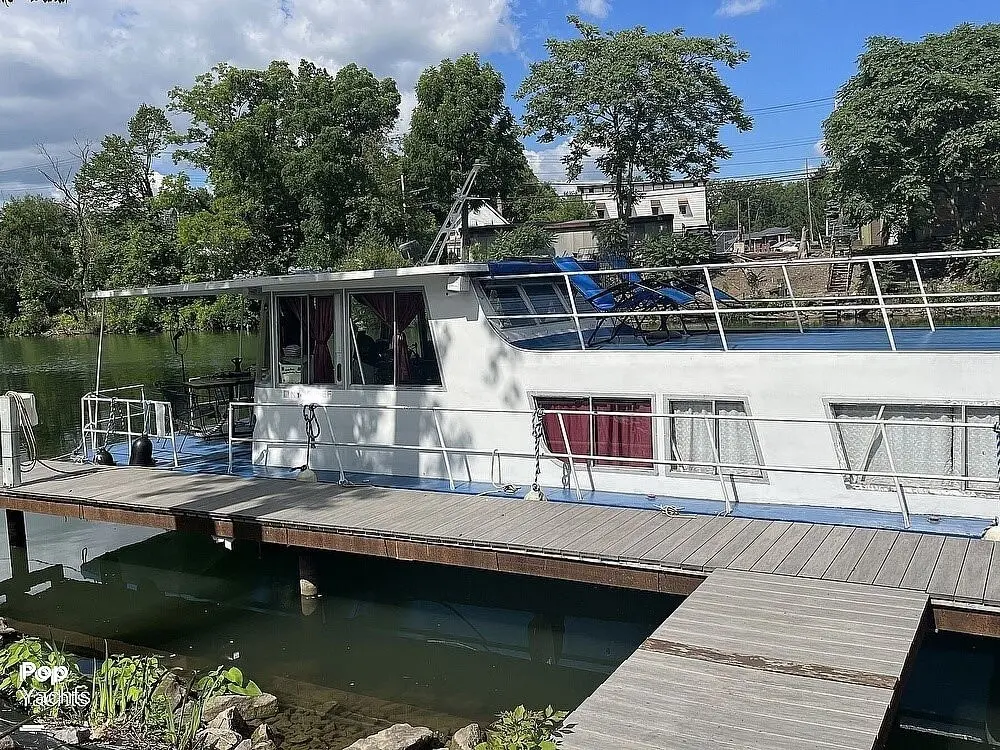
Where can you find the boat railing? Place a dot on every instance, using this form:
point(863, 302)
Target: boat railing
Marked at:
point(880, 300)
point(104, 416)
point(725, 471)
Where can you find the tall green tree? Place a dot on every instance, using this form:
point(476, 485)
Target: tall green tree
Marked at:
point(297, 155)
point(37, 266)
point(117, 180)
point(461, 117)
point(915, 137)
point(648, 105)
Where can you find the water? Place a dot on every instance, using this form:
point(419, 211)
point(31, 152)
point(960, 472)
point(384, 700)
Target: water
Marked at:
point(387, 642)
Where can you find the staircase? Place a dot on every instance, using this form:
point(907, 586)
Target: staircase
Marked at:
point(838, 284)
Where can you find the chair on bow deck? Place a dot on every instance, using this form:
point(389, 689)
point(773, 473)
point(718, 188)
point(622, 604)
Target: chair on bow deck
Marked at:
point(628, 295)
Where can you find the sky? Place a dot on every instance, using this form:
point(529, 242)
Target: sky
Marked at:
point(76, 72)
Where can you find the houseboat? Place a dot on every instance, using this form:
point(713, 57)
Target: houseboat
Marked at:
point(737, 388)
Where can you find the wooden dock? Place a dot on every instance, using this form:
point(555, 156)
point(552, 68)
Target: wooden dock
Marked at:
point(596, 544)
point(795, 635)
point(763, 661)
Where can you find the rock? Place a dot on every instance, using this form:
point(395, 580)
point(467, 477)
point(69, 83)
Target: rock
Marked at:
point(7, 743)
point(251, 708)
point(263, 733)
point(172, 689)
point(245, 745)
point(467, 738)
point(230, 719)
point(65, 735)
point(399, 737)
point(216, 739)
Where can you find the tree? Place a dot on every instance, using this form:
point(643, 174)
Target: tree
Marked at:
point(771, 204)
point(36, 261)
point(301, 153)
point(915, 137)
point(461, 118)
point(117, 180)
point(648, 105)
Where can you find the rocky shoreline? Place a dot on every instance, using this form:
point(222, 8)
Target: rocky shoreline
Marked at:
point(407, 737)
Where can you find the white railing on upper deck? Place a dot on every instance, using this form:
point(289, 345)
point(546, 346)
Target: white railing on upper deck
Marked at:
point(117, 420)
point(882, 302)
point(724, 471)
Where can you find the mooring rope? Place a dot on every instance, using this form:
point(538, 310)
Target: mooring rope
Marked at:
point(311, 428)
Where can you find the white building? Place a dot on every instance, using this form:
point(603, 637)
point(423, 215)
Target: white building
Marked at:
point(686, 201)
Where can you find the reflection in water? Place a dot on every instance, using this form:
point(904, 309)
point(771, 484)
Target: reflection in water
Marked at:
point(385, 642)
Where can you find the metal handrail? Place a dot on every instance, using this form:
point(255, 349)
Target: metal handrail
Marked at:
point(883, 300)
point(91, 421)
point(721, 468)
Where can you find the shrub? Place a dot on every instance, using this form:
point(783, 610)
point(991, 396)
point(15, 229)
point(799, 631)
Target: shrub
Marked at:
point(523, 729)
point(518, 242)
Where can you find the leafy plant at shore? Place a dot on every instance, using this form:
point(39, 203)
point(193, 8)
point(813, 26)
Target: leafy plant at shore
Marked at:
point(524, 729)
point(124, 689)
point(39, 653)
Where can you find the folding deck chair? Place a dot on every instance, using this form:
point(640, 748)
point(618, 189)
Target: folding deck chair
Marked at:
point(629, 295)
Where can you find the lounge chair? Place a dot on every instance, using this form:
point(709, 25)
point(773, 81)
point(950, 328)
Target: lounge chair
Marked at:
point(629, 295)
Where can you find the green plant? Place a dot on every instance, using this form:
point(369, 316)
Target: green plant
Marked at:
point(223, 680)
point(123, 690)
point(524, 729)
point(39, 653)
point(517, 242)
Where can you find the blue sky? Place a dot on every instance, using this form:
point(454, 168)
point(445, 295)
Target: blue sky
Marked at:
point(71, 73)
point(800, 50)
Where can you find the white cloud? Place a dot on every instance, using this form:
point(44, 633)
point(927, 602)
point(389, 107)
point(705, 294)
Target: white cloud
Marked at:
point(599, 8)
point(733, 8)
point(78, 71)
point(820, 147)
point(548, 166)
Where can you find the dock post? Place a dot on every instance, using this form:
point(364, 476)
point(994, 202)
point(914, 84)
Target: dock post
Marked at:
point(17, 543)
point(308, 577)
point(10, 443)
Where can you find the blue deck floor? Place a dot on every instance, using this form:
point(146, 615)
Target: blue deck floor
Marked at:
point(200, 456)
point(843, 338)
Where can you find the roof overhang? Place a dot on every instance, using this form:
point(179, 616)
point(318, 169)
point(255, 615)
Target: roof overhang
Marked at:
point(252, 285)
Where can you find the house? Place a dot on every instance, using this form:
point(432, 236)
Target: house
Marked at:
point(575, 237)
point(686, 201)
point(766, 239)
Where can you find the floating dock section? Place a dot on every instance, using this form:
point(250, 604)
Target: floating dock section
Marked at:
point(761, 661)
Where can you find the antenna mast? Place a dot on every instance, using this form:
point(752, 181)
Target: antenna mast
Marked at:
point(453, 220)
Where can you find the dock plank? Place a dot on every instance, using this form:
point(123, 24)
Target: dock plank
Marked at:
point(921, 567)
point(948, 568)
point(892, 570)
point(781, 548)
point(871, 562)
point(820, 560)
point(972, 580)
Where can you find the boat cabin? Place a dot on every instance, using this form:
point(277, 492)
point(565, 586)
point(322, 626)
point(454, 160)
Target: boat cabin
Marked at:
point(683, 389)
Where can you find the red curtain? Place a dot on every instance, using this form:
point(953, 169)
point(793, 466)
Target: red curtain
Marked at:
point(628, 437)
point(321, 322)
point(397, 311)
point(577, 426)
point(409, 305)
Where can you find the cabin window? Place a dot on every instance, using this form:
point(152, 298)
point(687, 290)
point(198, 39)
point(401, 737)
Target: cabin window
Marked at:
point(697, 438)
point(655, 208)
point(292, 313)
point(515, 299)
point(684, 207)
point(612, 434)
point(940, 441)
point(391, 340)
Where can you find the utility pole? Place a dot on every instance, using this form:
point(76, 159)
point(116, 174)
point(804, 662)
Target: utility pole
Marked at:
point(809, 205)
point(406, 223)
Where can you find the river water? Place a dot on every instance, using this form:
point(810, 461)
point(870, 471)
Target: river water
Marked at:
point(388, 641)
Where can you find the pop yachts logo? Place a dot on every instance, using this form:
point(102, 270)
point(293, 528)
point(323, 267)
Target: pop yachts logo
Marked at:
point(50, 696)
